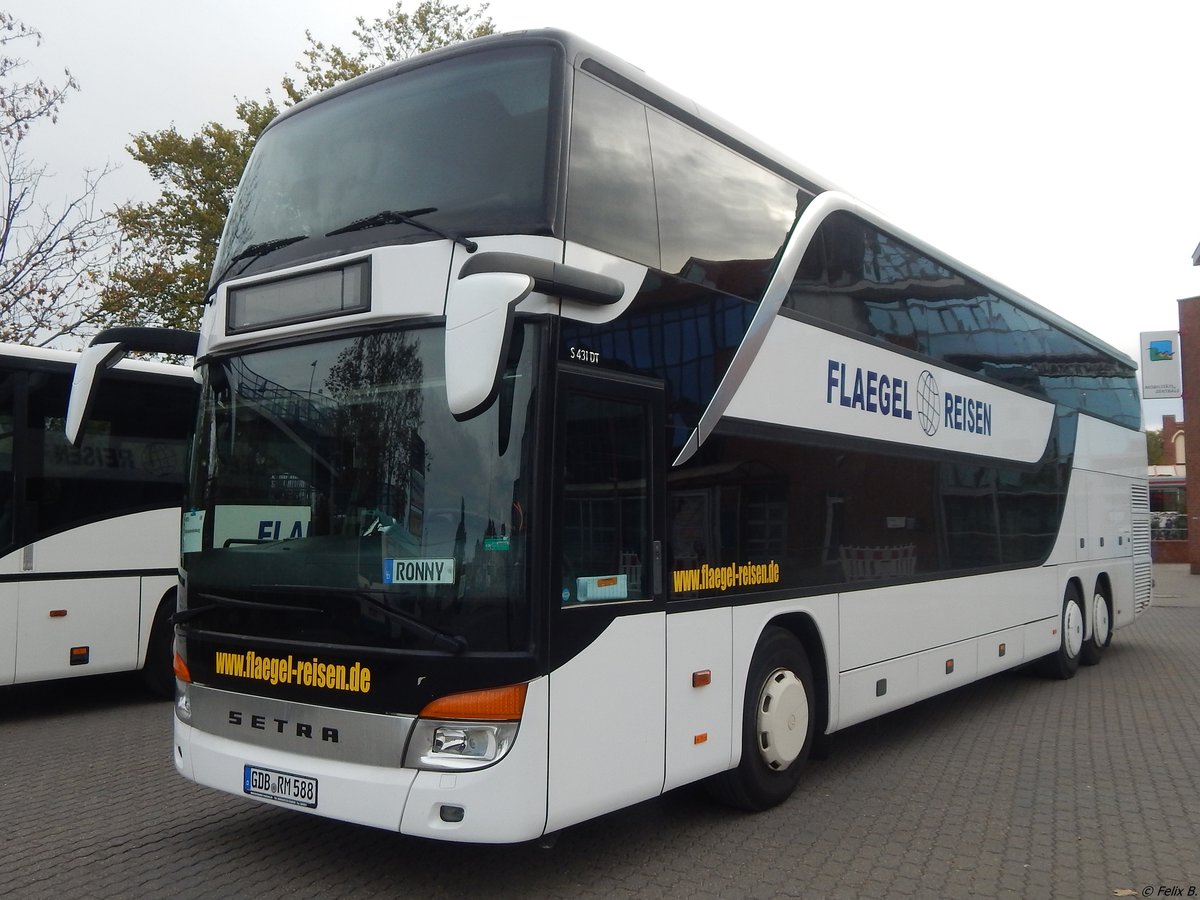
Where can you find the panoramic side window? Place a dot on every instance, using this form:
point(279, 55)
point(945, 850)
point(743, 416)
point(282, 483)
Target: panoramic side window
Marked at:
point(754, 515)
point(860, 278)
point(131, 457)
point(723, 219)
point(606, 511)
point(610, 186)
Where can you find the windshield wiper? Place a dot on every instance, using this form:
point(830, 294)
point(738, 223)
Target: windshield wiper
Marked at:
point(219, 602)
point(407, 217)
point(251, 253)
point(443, 640)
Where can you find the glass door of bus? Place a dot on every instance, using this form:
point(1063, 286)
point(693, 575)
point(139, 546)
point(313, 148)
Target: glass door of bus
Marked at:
point(607, 628)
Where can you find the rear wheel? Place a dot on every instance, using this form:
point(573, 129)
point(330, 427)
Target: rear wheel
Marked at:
point(1094, 646)
point(777, 725)
point(1064, 662)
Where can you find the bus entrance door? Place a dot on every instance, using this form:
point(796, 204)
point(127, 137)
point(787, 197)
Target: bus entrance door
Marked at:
point(607, 628)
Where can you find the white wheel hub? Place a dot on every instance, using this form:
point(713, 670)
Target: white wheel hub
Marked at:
point(1073, 628)
point(1100, 623)
point(782, 719)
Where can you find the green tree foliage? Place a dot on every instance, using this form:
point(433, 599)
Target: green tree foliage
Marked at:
point(52, 256)
point(396, 36)
point(1154, 448)
point(171, 242)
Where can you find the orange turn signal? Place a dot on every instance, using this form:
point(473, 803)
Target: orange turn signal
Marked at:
point(495, 704)
point(181, 670)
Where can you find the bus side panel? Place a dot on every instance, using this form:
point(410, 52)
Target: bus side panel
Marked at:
point(889, 622)
point(871, 691)
point(700, 729)
point(8, 632)
point(606, 722)
point(1110, 466)
point(80, 626)
point(1105, 447)
point(66, 600)
point(134, 542)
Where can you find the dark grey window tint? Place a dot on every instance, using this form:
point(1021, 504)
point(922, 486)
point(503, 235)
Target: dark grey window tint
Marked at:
point(814, 516)
point(864, 280)
point(610, 184)
point(606, 513)
point(130, 458)
point(722, 219)
point(467, 137)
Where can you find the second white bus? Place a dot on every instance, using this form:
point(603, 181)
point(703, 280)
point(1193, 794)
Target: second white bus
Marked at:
point(89, 534)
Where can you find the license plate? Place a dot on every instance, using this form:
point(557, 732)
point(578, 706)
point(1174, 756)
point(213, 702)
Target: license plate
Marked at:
point(282, 786)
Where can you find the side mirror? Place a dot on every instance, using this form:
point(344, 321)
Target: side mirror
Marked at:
point(107, 349)
point(479, 312)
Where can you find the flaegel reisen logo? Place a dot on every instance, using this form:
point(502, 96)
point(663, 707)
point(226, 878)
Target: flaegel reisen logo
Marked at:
point(888, 396)
point(928, 396)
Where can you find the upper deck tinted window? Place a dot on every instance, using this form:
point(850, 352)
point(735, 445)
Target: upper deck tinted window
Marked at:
point(646, 187)
point(722, 219)
point(865, 280)
point(610, 191)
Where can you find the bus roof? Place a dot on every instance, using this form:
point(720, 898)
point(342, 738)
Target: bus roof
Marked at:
point(71, 357)
point(621, 74)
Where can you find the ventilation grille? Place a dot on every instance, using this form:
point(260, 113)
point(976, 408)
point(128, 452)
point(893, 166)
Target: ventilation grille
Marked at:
point(1139, 498)
point(1141, 537)
point(1142, 583)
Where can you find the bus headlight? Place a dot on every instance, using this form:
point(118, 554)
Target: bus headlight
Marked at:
point(466, 731)
point(183, 702)
point(458, 746)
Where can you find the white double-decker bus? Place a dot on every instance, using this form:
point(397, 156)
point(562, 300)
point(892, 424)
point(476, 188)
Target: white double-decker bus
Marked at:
point(89, 534)
point(560, 445)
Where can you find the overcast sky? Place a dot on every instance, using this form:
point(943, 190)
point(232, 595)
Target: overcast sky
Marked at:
point(1052, 145)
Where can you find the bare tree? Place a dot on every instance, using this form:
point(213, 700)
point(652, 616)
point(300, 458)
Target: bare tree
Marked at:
point(53, 257)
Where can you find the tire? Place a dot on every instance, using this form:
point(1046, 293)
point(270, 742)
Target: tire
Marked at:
point(158, 673)
point(1102, 629)
point(777, 726)
point(1064, 662)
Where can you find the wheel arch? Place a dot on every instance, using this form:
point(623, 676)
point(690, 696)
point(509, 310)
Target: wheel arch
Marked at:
point(157, 670)
point(1076, 582)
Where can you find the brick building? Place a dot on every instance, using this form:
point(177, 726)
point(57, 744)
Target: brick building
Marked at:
point(1189, 350)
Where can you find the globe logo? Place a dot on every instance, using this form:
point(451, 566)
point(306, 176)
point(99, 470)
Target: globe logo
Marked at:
point(927, 403)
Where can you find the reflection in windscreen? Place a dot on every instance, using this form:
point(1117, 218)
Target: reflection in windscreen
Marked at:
point(336, 467)
point(466, 137)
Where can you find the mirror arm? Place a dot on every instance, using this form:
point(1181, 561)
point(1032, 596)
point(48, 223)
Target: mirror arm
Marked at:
point(549, 277)
point(107, 349)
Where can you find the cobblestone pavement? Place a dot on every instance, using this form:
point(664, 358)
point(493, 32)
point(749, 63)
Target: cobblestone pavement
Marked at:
point(1012, 787)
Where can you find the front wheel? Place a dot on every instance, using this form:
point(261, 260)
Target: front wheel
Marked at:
point(1064, 662)
point(1094, 647)
point(777, 725)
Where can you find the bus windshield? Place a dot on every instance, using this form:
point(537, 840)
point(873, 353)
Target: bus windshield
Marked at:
point(335, 499)
point(463, 140)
